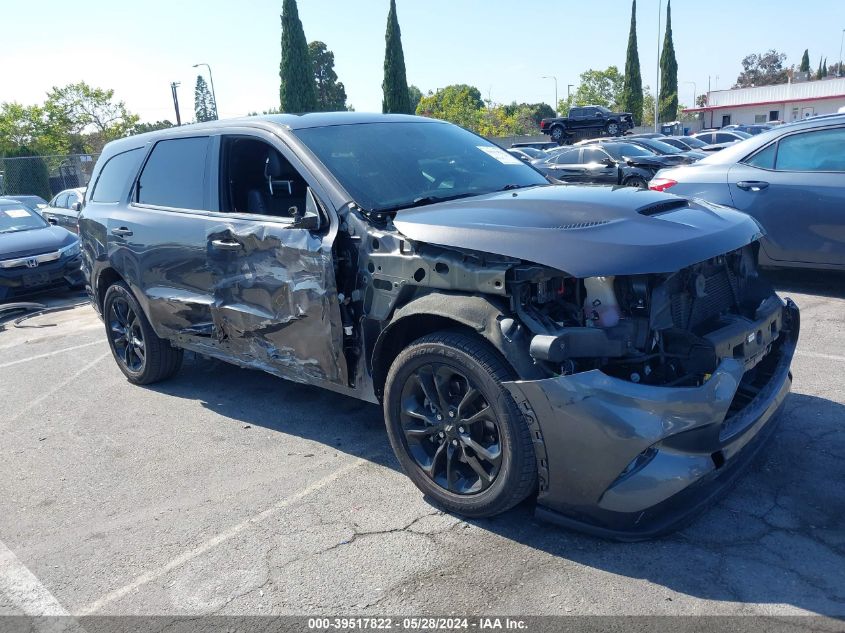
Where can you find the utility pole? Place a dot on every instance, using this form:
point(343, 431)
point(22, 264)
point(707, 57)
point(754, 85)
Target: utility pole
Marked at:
point(841, 39)
point(555, 78)
point(173, 86)
point(657, 74)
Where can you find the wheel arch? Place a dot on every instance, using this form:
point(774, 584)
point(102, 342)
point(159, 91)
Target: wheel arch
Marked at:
point(434, 312)
point(106, 277)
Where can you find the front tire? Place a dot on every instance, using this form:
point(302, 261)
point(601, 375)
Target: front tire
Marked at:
point(558, 135)
point(142, 356)
point(455, 429)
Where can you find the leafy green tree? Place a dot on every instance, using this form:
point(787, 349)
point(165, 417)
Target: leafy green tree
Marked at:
point(701, 100)
point(27, 174)
point(395, 84)
point(204, 109)
point(84, 118)
point(20, 126)
point(597, 87)
point(805, 62)
point(632, 87)
point(460, 104)
point(296, 90)
point(414, 96)
point(331, 93)
point(648, 107)
point(142, 128)
point(668, 104)
point(764, 69)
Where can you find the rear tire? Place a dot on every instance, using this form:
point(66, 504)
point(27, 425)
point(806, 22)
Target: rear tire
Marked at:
point(636, 181)
point(558, 135)
point(142, 356)
point(454, 428)
point(612, 128)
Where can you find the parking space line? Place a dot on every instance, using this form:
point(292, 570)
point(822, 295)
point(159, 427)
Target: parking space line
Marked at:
point(213, 542)
point(23, 588)
point(58, 387)
point(834, 357)
point(48, 354)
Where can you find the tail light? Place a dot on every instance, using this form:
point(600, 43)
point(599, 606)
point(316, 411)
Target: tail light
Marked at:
point(661, 184)
point(542, 124)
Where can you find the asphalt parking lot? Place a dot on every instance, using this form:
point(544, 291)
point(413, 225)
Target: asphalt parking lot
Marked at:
point(227, 491)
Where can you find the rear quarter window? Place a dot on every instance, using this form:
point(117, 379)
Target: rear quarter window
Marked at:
point(115, 175)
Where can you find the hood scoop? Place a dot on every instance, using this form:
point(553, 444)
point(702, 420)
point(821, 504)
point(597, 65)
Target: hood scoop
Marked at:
point(663, 207)
point(580, 225)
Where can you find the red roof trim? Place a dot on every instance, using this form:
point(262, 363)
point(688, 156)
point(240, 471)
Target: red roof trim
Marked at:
point(758, 103)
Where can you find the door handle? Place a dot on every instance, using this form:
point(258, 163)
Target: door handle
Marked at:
point(122, 232)
point(752, 185)
point(226, 245)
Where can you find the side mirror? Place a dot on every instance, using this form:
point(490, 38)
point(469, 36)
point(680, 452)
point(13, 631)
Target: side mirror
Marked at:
point(609, 162)
point(76, 206)
point(311, 219)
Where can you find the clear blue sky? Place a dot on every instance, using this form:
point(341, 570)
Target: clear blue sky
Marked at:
point(501, 46)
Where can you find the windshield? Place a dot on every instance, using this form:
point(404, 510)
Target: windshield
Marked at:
point(533, 153)
point(693, 142)
point(389, 166)
point(19, 218)
point(660, 147)
point(619, 150)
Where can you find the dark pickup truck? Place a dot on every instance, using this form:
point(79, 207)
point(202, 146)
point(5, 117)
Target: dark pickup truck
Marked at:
point(587, 122)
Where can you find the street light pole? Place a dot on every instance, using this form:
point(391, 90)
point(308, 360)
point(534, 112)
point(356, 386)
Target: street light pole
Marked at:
point(657, 74)
point(213, 94)
point(693, 91)
point(555, 78)
point(841, 39)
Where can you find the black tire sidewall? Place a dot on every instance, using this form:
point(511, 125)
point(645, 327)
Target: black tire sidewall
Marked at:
point(121, 290)
point(496, 498)
point(636, 181)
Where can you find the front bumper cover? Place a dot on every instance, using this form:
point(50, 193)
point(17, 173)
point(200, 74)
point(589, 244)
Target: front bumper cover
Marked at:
point(630, 461)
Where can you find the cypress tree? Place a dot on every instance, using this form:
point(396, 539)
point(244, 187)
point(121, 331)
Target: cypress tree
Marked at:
point(296, 91)
point(805, 62)
point(395, 86)
point(819, 71)
point(824, 68)
point(632, 88)
point(204, 109)
point(668, 108)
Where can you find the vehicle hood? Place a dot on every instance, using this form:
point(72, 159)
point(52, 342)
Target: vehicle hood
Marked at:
point(34, 241)
point(584, 231)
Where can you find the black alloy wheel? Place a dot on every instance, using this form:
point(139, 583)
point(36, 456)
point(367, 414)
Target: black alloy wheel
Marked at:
point(141, 355)
point(452, 432)
point(454, 426)
point(126, 335)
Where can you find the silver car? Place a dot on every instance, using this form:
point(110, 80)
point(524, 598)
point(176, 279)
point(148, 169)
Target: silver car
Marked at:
point(790, 179)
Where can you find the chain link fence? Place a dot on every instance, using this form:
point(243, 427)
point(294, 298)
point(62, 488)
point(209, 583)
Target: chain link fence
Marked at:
point(45, 176)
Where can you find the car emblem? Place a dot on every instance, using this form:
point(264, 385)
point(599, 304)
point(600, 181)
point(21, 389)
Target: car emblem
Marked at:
point(32, 263)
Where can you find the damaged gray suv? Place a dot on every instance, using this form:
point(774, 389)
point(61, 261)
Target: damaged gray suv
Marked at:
point(612, 352)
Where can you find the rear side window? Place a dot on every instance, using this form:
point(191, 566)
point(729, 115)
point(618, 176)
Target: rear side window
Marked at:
point(567, 157)
point(725, 138)
point(821, 150)
point(115, 176)
point(174, 175)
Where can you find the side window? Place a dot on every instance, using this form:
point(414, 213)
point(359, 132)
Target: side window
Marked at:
point(60, 201)
point(765, 158)
point(592, 156)
point(115, 175)
point(174, 175)
point(721, 137)
point(576, 112)
point(821, 150)
point(568, 157)
point(256, 178)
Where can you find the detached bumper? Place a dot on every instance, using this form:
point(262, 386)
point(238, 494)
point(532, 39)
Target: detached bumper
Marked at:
point(631, 462)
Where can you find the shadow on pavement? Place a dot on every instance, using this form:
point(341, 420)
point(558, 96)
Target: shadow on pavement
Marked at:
point(777, 538)
point(811, 282)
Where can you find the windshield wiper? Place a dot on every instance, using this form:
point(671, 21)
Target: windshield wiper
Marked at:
point(514, 186)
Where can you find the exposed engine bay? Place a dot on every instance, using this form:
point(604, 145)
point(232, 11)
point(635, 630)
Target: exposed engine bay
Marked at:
point(657, 329)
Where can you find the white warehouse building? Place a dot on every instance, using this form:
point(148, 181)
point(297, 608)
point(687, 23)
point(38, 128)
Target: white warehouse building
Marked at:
point(781, 102)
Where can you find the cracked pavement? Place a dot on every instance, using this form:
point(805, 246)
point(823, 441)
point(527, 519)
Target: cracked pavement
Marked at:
point(227, 491)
